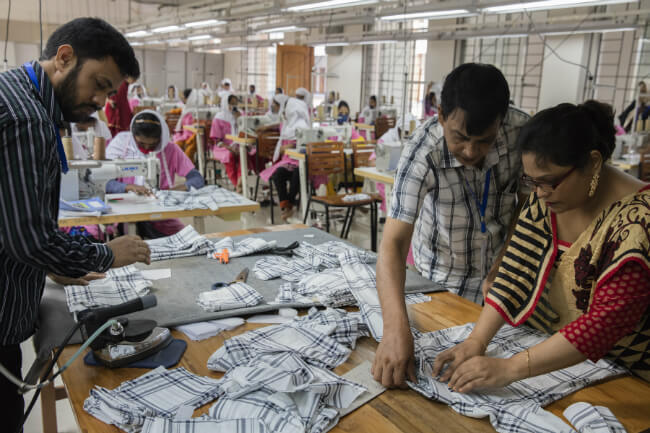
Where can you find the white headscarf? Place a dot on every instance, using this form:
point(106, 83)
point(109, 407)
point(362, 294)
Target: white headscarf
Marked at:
point(132, 92)
point(297, 115)
point(176, 95)
point(205, 90)
point(282, 100)
point(403, 123)
point(225, 112)
point(123, 145)
point(301, 91)
point(83, 149)
point(194, 100)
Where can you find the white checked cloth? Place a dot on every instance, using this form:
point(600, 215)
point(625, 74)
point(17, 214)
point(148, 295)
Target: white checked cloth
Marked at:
point(158, 393)
point(245, 247)
point(237, 295)
point(209, 197)
point(270, 267)
point(186, 243)
point(287, 294)
point(593, 419)
point(328, 253)
point(204, 425)
point(119, 286)
point(329, 288)
point(356, 197)
point(515, 408)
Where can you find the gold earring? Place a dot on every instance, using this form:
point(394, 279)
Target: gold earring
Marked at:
point(594, 184)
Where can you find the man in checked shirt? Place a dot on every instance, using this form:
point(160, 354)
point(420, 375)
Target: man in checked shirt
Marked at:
point(84, 62)
point(455, 200)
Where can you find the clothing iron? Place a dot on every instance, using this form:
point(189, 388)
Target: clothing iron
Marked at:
point(126, 341)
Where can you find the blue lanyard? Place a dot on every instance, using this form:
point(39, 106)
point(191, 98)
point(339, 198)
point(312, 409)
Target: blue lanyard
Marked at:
point(482, 206)
point(59, 144)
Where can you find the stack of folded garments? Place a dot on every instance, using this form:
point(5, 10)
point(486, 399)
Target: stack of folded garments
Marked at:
point(270, 267)
point(119, 286)
point(158, 393)
point(237, 295)
point(186, 243)
point(201, 330)
point(328, 253)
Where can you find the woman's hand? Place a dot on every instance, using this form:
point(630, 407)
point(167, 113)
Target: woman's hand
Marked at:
point(455, 356)
point(482, 372)
point(138, 189)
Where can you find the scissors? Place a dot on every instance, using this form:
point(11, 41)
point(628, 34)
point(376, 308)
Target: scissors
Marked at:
point(240, 278)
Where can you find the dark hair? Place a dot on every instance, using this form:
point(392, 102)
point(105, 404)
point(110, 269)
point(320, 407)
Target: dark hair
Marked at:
point(279, 90)
point(251, 85)
point(342, 104)
point(480, 90)
point(147, 128)
point(373, 98)
point(94, 38)
point(186, 93)
point(567, 133)
point(231, 97)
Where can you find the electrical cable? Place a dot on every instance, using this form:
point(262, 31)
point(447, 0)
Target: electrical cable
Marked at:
point(40, 24)
point(6, 62)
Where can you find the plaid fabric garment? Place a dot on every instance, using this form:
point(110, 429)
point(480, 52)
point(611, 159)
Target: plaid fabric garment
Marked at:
point(356, 197)
point(209, 197)
point(158, 393)
point(243, 248)
point(237, 295)
point(329, 252)
point(186, 243)
point(119, 286)
point(287, 295)
point(417, 298)
point(204, 425)
point(268, 268)
point(593, 419)
point(329, 288)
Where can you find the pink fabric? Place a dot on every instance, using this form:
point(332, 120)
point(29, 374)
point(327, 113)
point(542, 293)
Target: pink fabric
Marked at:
point(219, 129)
point(619, 130)
point(285, 161)
point(177, 162)
point(93, 230)
point(184, 134)
point(409, 258)
point(381, 190)
point(168, 227)
point(133, 103)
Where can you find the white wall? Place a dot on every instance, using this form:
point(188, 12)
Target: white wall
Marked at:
point(19, 53)
point(439, 60)
point(563, 82)
point(232, 68)
point(347, 67)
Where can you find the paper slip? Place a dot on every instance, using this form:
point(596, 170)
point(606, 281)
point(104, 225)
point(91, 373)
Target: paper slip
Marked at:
point(202, 330)
point(157, 274)
point(361, 375)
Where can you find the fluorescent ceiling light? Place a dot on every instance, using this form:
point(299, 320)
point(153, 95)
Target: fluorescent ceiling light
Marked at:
point(329, 4)
point(286, 29)
point(570, 32)
point(198, 37)
point(137, 34)
point(136, 44)
point(392, 41)
point(332, 44)
point(423, 15)
point(549, 4)
point(155, 42)
point(235, 49)
point(175, 41)
point(165, 29)
point(205, 23)
point(504, 35)
point(276, 36)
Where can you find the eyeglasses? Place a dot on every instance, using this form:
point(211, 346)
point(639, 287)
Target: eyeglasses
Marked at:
point(545, 186)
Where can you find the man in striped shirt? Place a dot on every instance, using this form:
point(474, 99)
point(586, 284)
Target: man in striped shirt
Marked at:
point(83, 63)
point(454, 201)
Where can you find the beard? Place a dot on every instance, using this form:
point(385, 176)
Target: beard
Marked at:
point(66, 95)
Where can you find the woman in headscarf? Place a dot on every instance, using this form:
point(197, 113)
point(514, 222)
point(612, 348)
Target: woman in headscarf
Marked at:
point(118, 111)
point(181, 135)
point(149, 135)
point(172, 94)
point(344, 117)
point(82, 148)
point(137, 93)
point(206, 93)
point(274, 115)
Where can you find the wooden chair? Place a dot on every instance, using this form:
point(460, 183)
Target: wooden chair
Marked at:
point(382, 125)
point(325, 159)
point(140, 108)
point(644, 164)
point(266, 142)
point(171, 118)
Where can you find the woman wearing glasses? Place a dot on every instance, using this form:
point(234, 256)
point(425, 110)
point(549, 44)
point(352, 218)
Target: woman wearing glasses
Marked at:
point(577, 266)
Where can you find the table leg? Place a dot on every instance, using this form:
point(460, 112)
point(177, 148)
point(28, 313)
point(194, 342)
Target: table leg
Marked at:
point(130, 229)
point(199, 224)
point(243, 162)
point(304, 194)
point(200, 152)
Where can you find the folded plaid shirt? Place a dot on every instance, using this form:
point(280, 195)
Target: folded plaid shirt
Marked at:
point(243, 248)
point(268, 268)
point(329, 252)
point(119, 286)
point(158, 393)
point(515, 408)
point(209, 197)
point(593, 419)
point(204, 425)
point(287, 295)
point(237, 295)
point(186, 243)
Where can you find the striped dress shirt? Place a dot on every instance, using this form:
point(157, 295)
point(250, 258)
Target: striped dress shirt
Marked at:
point(30, 243)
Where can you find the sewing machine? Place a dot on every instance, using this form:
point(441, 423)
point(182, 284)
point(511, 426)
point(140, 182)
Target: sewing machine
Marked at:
point(320, 134)
point(249, 124)
point(388, 156)
point(87, 179)
point(387, 111)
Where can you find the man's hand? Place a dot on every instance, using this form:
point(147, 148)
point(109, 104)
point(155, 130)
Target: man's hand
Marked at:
point(139, 189)
point(83, 281)
point(394, 360)
point(128, 250)
point(455, 356)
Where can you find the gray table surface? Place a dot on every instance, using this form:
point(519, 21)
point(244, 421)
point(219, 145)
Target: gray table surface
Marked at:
point(189, 276)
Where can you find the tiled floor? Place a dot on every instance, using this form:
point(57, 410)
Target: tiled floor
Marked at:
point(359, 235)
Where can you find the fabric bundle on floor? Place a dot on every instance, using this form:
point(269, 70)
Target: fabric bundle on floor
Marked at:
point(120, 285)
point(209, 197)
point(186, 243)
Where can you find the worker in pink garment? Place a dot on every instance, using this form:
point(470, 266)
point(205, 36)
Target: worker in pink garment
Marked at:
point(192, 101)
point(149, 136)
point(137, 92)
point(253, 97)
